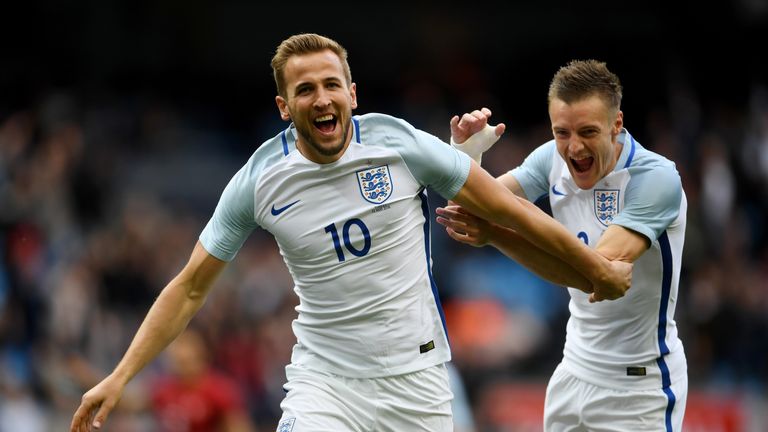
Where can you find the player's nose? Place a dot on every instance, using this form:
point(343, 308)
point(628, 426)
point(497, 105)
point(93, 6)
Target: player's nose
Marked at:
point(575, 146)
point(322, 100)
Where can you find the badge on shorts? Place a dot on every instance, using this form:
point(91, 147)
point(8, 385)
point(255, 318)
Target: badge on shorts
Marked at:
point(286, 425)
point(606, 205)
point(375, 184)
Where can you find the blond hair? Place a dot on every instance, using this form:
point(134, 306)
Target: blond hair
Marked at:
point(580, 79)
point(305, 43)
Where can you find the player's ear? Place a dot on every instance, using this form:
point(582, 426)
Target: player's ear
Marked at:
point(282, 105)
point(353, 94)
point(618, 124)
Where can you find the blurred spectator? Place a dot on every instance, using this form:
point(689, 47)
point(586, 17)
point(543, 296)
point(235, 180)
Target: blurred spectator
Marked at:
point(19, 410)
point(193, 397)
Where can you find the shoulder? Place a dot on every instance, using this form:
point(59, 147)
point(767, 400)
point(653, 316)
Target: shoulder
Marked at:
point(650, 166)
point(378, 125)
point(239, 192)
point(542, 157)
point(642, 160)
point(398, 135)
point(548, 149)
point(267, 155)
point(382, 120)
point(654, 179)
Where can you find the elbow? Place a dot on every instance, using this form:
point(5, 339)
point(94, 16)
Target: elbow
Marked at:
point(195, 295)
point(190, 289)
point(197, 289)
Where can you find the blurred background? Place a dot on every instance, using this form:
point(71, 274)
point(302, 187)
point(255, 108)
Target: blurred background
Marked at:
point(122, 121)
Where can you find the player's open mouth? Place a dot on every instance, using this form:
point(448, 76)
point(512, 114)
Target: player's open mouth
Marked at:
point(326, 123)
point(582, 165)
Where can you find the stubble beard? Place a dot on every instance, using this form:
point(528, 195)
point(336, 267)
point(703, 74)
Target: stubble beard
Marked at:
point(324, 150)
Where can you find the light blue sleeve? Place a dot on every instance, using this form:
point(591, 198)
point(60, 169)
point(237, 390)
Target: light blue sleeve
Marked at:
point(233, 220)
point(533, 174)
point(652, 200)
point(432, 162)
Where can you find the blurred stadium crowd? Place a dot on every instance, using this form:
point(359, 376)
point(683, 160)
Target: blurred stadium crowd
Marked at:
point(102, 204)
point(102, 199)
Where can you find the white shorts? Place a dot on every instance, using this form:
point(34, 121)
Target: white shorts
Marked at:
point(574, 405)
point(324, 402)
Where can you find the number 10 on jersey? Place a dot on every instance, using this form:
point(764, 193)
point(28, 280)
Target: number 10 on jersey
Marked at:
point(331, 229)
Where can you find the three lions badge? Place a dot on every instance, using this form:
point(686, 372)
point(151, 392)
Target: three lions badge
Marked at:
point(606, 205)
point(375, 184)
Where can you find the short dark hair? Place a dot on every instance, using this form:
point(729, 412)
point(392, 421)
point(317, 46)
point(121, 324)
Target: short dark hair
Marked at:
point(580, 79)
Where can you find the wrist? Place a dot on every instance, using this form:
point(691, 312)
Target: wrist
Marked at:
point(120, 377)
point(599, 270)
point(478, 143)
point(494, 234)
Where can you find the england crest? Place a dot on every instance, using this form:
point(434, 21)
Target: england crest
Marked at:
point(606, 205)
point(375, 184)
point(286, 425)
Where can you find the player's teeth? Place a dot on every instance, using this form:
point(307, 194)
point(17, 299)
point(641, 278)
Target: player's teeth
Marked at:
point(327, 117)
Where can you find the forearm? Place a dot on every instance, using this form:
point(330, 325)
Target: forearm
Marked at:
point(166, 319)
point(557, 271)
point(171, 312)
point(168, 316)
point(483, 196)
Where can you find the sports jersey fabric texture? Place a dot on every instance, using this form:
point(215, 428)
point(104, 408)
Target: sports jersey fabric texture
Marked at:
point(632, 342)
point(354, 235)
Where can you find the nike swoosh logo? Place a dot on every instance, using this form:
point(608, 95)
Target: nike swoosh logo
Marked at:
point(557, 192)
point(277, 211)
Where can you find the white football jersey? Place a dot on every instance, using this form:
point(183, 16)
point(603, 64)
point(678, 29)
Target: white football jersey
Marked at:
point(355, 237)
point(630, 342)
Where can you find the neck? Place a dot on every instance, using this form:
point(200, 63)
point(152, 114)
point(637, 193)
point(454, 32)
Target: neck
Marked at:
point(311, 152)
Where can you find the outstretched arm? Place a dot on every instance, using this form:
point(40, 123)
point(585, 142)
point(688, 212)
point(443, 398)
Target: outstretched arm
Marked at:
point(465, 227)
point(168, 316)
point(487, 198)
